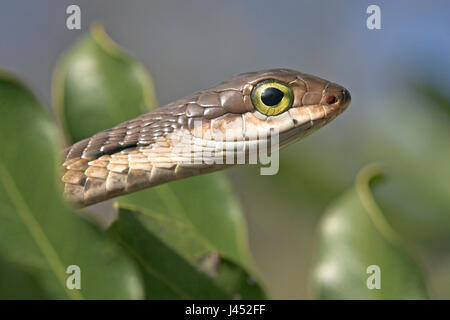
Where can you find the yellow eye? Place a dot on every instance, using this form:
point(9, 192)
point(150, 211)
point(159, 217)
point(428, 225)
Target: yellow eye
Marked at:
point(271, 97)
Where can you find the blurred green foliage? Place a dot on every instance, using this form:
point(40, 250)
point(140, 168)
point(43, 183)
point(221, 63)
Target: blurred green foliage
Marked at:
point(177, 262)
point(354, 240)
point(208, 204)
point(40, 236)
point(436, 97)
point(98, 85)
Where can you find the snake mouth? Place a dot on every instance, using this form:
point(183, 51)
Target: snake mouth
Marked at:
point(297, 133)
point(308, 119)
point(291, 126)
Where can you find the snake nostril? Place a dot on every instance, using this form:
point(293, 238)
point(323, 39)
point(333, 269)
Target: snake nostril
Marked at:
point(331, 100)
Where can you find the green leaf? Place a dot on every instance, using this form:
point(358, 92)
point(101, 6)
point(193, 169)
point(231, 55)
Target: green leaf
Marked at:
point(207, 201)
point(177, 263)
point(37, 230)
point(19, 282)
point(355, 235)
point(417, 198)
point(97, 85)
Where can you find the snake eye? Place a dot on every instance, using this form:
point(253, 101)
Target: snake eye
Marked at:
point(271, 97)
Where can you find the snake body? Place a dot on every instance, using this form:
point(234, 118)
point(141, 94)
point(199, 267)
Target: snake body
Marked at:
point(145, 151)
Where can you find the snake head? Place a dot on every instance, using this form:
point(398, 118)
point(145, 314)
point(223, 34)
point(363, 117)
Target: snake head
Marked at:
point(251, 105)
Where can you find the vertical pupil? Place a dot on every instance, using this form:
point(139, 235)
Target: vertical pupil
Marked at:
point(271, 96)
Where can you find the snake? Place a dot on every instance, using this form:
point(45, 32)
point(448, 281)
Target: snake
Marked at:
point(158, 147)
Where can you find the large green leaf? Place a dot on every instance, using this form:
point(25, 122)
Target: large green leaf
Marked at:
point(207, 202)
point(38, 232)
point(354, 236)
point(97, 85)
point(19, 282)
point(178, 263)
